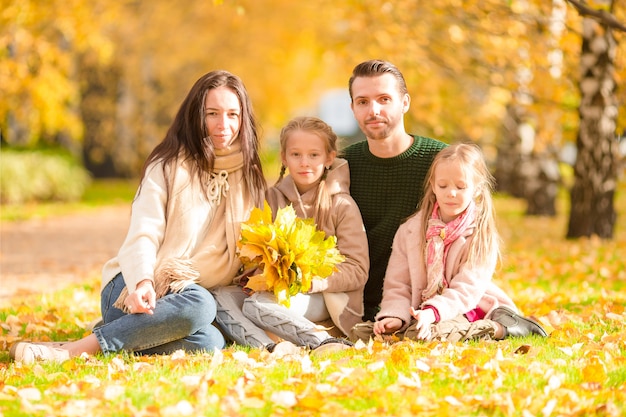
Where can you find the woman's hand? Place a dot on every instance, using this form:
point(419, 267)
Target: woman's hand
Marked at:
point(143, 299)
point(387, 325)
point(424, 319)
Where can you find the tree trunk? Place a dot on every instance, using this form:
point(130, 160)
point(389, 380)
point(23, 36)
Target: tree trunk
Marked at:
point(508, 161)
point(595, 170)
point(522, 172)
point(98, 98)
point(540, 173)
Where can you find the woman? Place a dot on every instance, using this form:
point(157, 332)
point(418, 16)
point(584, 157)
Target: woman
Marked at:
point(197, 186)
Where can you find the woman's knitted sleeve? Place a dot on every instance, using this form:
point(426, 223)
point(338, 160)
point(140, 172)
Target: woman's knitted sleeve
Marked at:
point(138, 253)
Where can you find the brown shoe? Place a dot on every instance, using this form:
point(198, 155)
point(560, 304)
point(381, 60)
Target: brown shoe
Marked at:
point(333, 344)
point(32, 352)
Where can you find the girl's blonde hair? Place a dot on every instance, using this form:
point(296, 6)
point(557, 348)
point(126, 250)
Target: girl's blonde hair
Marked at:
point(316, 126)
point(486, 241)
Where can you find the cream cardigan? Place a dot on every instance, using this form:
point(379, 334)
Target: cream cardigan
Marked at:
point(173, 224)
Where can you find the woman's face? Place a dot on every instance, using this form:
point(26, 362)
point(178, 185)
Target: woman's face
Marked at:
point(222, 115)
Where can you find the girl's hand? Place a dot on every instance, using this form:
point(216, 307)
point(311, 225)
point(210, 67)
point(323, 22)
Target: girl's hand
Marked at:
point(387, 325)
point(242, 280)
point(143, 299)
point(424, 319)
point(244, 277)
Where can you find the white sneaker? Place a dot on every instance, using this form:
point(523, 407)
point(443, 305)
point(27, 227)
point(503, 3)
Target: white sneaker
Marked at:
point(32, 352)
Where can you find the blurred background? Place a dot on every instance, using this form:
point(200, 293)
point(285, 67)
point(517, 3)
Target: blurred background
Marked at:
point(89, 87)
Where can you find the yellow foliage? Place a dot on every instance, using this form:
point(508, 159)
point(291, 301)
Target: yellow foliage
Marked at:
point(462, 64)
point(290, 252)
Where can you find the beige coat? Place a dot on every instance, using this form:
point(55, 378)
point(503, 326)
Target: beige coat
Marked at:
point(343, 290)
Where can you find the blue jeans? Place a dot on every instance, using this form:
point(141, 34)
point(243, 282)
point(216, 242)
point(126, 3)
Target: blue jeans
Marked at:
point(180, 321)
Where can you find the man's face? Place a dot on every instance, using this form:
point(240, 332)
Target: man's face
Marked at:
point(378, 105)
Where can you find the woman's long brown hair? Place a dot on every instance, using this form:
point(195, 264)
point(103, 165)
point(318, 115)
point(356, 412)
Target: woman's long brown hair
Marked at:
point(188, 135)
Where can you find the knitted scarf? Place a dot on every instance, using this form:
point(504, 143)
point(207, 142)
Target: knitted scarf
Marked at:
point(215, 255)
point(439, 237)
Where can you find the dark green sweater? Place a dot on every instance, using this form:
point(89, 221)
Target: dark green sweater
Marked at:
point(387, 191)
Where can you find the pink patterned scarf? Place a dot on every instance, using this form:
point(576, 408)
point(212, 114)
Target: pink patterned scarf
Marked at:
point(439, 237)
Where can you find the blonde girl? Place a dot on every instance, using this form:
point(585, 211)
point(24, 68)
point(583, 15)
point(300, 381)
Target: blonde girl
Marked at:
point(317, 187)
point(438, 284)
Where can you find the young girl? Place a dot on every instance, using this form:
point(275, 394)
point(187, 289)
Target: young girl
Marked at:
point(317, 187)
point(197, 186)
point(438, 282)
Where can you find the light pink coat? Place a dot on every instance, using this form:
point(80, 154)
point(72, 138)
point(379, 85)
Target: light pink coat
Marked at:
point(405, 279)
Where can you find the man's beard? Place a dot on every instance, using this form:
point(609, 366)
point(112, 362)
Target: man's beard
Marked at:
point(381, 133)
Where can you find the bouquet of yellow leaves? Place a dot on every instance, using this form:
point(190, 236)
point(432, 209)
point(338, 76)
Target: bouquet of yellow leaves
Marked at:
point(290, 252)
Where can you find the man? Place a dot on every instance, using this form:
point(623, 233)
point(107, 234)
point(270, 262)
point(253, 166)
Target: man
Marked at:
point(387, 170)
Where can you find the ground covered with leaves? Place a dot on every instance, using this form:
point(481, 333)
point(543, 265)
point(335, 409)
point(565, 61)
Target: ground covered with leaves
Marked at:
point(576, 289)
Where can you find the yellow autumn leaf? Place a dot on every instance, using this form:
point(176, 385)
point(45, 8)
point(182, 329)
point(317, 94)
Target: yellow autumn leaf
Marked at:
point(29, 394)
point(257, 283)
point(290, 252)
point(594, 371)
point(251, 252)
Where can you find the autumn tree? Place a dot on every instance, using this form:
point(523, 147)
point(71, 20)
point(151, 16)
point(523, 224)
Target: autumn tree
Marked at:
point(282, 61)
point(38, 68)
point(113, 85)
point(109, 76)
point(535, 122)
point(596, 168)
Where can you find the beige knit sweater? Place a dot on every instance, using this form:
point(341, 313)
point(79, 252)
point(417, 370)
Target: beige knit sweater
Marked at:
point(177, 232)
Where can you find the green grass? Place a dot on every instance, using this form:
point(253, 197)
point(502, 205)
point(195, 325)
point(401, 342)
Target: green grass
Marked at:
point(105, 192)
point(98, 194)
point(575, 288)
